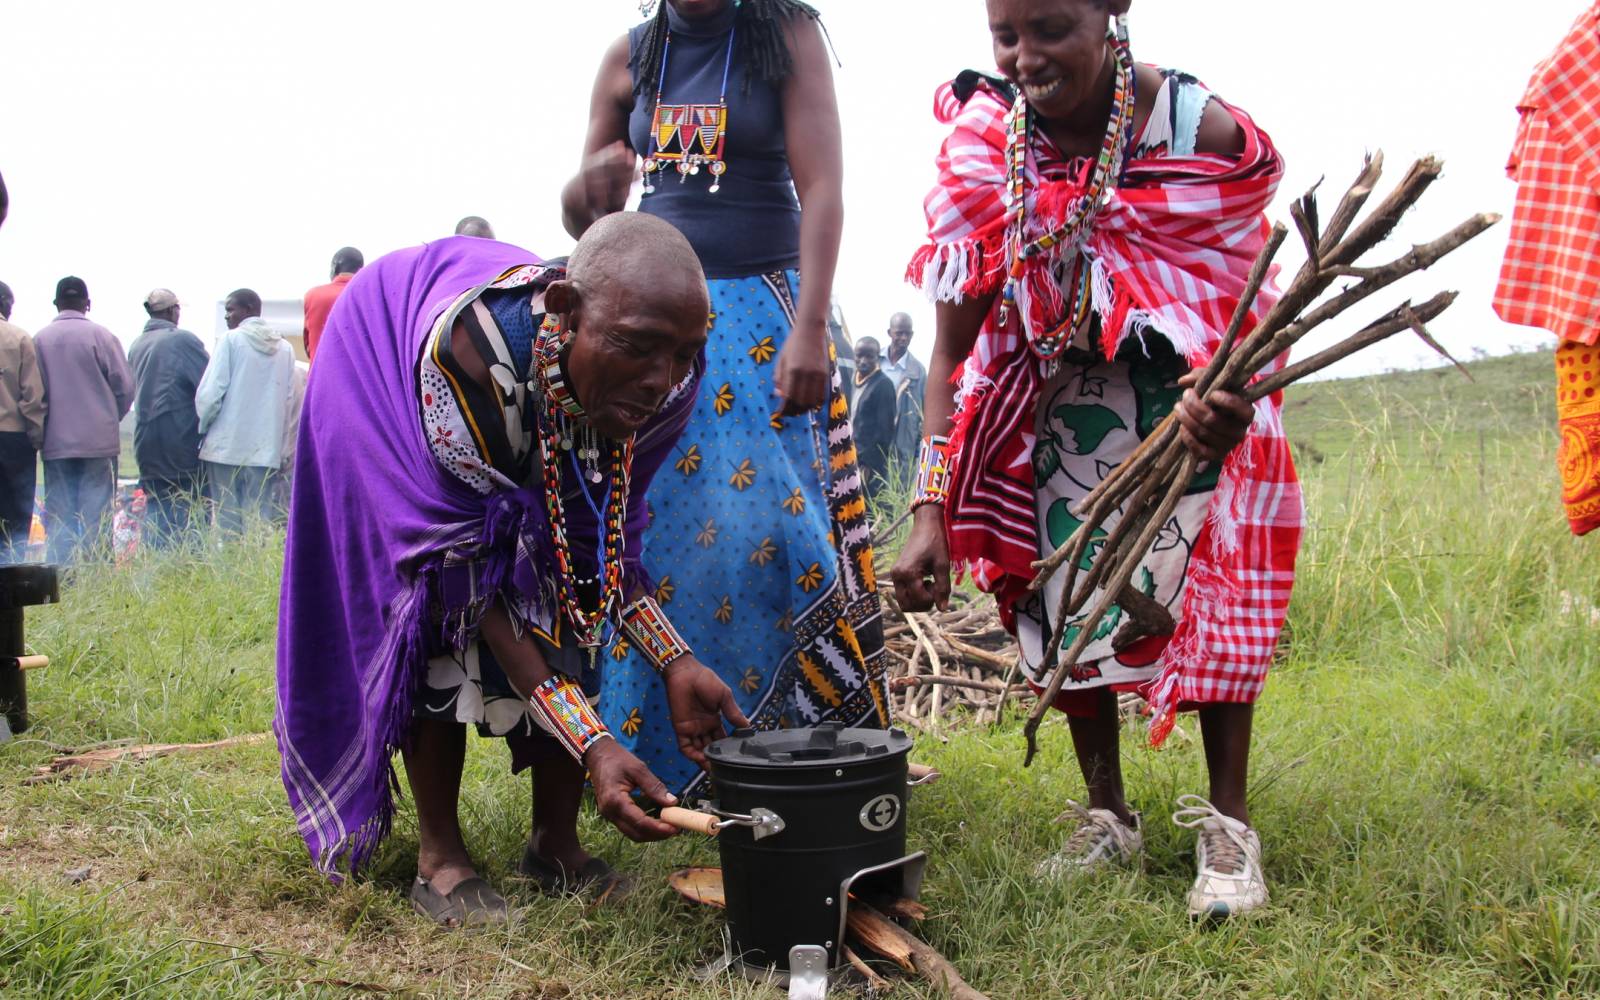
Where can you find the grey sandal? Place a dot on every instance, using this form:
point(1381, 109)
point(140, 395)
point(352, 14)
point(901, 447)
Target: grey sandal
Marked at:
point(595, 879)
point(472, 903)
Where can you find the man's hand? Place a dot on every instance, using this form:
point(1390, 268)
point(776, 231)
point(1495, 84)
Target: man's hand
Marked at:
point(922, 573)
point(1213, 426)
point(698, 700)
point(615, 773)
point(801, 376)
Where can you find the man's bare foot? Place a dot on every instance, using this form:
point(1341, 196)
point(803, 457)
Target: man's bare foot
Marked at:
point(559, 849)
point(444, 874)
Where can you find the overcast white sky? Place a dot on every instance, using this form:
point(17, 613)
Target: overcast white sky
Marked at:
point(204, 145)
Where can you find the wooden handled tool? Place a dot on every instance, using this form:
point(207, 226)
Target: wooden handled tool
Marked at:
point(34, 662)
point(922, 774)
point(690, 821)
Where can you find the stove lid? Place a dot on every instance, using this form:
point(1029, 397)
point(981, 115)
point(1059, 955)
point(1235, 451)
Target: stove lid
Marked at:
point(830, 743)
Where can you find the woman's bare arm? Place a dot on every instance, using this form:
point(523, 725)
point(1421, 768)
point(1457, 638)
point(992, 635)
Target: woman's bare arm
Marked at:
point(601, 185)
point(816, 160)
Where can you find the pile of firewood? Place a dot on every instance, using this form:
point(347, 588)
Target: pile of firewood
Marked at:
point(949, 667)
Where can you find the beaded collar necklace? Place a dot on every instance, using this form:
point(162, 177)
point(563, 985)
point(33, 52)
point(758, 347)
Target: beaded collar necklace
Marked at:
point(1075, 227)
point(563, 426)
point(689, 135)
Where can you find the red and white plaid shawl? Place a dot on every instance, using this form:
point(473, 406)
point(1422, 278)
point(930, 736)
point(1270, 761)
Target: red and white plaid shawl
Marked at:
point(1171, 251)
point(1551, 274)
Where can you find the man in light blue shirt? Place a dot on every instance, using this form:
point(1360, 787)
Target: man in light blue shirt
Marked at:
point(244, 402)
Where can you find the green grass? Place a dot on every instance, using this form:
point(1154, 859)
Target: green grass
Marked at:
point(1426, 780)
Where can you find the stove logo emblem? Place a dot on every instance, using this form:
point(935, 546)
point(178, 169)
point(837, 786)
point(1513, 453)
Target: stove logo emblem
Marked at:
point(880, 814)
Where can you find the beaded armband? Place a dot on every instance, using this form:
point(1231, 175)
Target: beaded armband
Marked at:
point(933, 472)
point(565, 713)
point(652, 634)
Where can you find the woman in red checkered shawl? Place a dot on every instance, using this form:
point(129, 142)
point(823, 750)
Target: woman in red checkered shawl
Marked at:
point(1142, 202)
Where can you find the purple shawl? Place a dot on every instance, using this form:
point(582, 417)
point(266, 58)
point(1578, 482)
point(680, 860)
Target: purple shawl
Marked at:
point(367, 595)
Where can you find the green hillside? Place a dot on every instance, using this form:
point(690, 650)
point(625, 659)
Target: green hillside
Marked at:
point(1508, 399)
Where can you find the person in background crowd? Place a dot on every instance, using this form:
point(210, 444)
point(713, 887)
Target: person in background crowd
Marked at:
point(475, 226)
point(167, 365)
point(86, 377)
point(319, 301)
point(22, 412)
point(910, 379)
point(872, 416)
point(1551, 274)
point(760, 526)
point(244, 402)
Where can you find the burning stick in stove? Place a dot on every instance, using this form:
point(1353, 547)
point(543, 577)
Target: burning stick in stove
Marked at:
point(1148, 485)
point(905, 949)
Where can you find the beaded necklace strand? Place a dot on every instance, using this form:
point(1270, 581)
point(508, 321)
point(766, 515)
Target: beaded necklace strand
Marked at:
point(1075, 227)
point(690, 129)
point(556, 435)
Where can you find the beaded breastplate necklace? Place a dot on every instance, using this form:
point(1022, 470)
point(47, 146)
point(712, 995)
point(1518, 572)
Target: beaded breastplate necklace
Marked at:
point(565, 436)
point(689, 136)
point(1079, 220)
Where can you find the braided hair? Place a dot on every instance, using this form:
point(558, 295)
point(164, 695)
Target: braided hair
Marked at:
point(761, 42)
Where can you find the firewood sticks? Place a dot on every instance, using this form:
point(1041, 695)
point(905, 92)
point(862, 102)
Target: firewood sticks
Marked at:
point(1147, 486)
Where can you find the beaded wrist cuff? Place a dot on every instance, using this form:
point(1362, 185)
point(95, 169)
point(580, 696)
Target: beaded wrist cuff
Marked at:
point(563, 712)
point(652, 634)
point(933, 472)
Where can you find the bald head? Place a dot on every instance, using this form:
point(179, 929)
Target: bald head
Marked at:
point(347, 260)
point(646, 254)
point(475, 226)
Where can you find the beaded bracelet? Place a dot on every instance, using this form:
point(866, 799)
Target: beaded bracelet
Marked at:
point(562, 711)
point(648, 627)
point(933, 472)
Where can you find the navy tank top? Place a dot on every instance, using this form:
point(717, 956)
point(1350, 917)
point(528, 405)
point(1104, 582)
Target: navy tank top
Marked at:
point(752, 224)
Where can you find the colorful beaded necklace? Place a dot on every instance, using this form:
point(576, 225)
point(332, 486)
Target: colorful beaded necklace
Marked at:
point(557, 435)
point(689, 135)
point(1075, 227)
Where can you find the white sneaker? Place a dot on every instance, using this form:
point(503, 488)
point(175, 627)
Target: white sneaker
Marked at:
point(1100, 839)
point(1228, 857)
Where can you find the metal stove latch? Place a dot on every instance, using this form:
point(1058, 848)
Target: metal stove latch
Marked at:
point(762, 822)
point(808, 972)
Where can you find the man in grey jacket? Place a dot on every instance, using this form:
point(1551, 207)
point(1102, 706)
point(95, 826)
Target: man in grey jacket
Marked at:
point(89, 390)
point(21, 431)
point(244, 402)
point(168, 363)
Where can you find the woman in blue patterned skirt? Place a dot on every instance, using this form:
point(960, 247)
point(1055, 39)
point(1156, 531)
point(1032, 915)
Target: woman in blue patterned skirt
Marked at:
point(760, 534)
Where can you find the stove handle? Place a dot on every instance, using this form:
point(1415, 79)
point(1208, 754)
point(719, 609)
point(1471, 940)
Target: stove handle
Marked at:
point(762, 823)
point(921, 774)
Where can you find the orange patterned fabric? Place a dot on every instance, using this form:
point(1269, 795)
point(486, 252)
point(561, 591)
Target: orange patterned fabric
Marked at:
point(1551, 274)
point(1578, 417)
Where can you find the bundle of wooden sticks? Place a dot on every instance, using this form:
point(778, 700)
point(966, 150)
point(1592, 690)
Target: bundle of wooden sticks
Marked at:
point(1148, 485)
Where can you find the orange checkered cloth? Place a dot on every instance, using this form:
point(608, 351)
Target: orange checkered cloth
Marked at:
point(1551, 274)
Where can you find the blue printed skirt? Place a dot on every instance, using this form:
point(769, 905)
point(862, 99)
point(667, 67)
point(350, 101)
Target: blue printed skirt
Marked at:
point(760, 547)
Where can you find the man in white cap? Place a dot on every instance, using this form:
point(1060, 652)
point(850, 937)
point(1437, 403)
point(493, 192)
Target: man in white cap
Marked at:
point(167, 364)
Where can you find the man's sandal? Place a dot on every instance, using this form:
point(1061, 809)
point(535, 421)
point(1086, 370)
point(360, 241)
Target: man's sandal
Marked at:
point(472, 903)
point(595, 879)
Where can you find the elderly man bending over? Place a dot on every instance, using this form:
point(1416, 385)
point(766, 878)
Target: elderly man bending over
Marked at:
point(468, 504)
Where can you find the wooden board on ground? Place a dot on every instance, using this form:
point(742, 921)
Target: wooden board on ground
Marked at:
point(699, 885)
